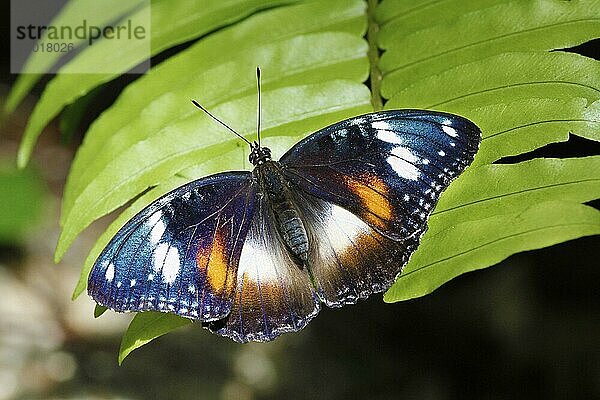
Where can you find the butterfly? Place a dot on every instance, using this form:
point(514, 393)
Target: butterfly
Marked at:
point(256, 254)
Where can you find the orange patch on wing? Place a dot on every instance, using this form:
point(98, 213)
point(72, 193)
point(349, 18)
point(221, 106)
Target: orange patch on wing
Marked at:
point(215, 262)
point(373, 198)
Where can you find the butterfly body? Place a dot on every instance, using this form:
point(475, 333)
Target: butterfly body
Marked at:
point(256, 254)
point(275, 188)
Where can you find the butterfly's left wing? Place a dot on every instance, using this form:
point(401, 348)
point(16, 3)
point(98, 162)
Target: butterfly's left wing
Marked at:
point(366, 187)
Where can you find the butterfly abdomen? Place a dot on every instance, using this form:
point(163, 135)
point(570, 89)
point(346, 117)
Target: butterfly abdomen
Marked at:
point(289, 224)
point(293, 232)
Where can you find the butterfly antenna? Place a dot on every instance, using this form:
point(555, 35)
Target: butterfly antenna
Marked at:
point(259, 107)
point(221, 122)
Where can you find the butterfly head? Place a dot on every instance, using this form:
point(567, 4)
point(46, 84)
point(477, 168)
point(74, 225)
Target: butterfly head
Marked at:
point(259, 154)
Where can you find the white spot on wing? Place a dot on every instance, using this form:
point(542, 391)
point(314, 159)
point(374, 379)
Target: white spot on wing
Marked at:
point(401, 162)
point(157, 230)
point(172, 264)
point(381, 125)
point(387, 136)
point(110, 272)
point(166, 258)
point(403, 168)
point(159, 256)
point(449, 130)
point(404, 153)
point(385, 132)
point(441, 153)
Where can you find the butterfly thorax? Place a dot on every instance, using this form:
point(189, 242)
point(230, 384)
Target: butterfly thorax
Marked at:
point(259, 154)
point(276, 191)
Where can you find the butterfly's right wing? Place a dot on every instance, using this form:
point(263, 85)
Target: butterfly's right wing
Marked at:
point(180, 254)
point(209, 251)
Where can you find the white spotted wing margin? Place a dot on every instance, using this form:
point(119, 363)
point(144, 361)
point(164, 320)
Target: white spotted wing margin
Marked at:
point(180, 253)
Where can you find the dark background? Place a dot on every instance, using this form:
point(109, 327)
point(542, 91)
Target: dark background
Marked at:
point(528, 327)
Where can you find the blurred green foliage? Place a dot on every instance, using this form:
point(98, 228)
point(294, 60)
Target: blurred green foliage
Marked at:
point(22, 193)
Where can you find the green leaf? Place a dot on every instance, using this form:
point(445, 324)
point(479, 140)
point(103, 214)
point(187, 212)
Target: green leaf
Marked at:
point(500, 189)
point(510, 26)
point(473, 245)
point(520, 126)
point(173, 22)
point(99, 310)
point(145, 327)
point(21, 196)
point(256, 32)
point(500, 78)
point(98, 13)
